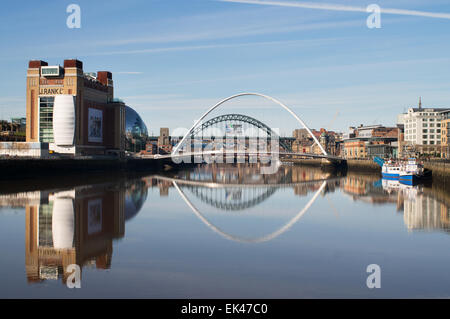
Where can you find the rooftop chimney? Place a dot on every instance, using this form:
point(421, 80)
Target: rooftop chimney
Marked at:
point(103, 76)
point(73, 64)
point(36, 64)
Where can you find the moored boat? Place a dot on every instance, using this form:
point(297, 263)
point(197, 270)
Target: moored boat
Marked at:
point(390, 170)
point(413, 173)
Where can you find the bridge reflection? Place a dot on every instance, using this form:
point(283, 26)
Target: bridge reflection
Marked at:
point(215, 176)
point(240, 187)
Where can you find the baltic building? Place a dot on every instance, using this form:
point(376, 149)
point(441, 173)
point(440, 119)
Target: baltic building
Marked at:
point(74, 112)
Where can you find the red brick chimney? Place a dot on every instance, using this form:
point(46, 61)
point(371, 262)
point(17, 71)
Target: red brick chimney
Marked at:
point(36, 64)
point(73, 63)
point(103, 76)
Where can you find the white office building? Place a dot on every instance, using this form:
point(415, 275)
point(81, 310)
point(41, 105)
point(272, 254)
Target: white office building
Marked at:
point(422, 125)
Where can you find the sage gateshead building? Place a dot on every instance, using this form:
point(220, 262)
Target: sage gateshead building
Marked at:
point(72, 112)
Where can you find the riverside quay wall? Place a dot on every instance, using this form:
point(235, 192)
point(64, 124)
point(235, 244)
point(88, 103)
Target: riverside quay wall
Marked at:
point(38, 167)
point(440, 169)
point(353, 165)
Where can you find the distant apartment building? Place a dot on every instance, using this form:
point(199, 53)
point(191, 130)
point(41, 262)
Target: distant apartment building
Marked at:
point(422, 130)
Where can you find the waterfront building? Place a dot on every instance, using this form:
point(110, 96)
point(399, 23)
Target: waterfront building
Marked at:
point(303, 142)
point(355, 148)
point(136, 133)
point(300, 134)
point(299, 146)
point(402, 151)
point(151, 148)
point(73, 111)
point(422, 130)
point(382, 150)
point(369, 141)
point(445, 134)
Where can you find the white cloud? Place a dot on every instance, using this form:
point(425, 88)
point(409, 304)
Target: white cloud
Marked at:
point(338, 7)
point(308, 43)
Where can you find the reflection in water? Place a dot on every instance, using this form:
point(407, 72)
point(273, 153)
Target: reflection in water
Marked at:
point(238, 188)
point(421, 209)
point(75, 226)
point(78, 225)
point(261, 239)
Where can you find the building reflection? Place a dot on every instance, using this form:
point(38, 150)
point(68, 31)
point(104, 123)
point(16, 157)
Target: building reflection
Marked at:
point(75, 226)
point(423, 212)
point(422, 208)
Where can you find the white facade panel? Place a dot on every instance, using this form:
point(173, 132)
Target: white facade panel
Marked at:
point(63, 223)
point(64, 120)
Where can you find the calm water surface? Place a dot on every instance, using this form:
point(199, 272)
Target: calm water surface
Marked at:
point(227, 232)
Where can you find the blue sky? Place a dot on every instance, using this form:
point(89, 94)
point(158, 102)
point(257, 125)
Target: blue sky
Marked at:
point(173, 59)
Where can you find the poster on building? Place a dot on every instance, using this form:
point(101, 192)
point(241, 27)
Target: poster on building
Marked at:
point(94, 216)
point(95, 125)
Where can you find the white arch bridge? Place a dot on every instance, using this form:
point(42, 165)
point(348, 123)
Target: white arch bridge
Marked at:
point(200, 127)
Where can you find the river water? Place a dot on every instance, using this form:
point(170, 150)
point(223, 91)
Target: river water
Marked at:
point(226, 232)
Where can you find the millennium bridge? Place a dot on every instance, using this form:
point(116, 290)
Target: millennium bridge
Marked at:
point(207, 142)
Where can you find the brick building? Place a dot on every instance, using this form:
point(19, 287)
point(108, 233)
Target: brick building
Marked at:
point(73, 111)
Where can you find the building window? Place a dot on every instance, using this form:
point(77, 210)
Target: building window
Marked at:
point(424, 131)
point(425, 125)
point(439, 124)
point(432, 137)
point(431, 131)
point(45, 225)
point(46, 119)
point(431, 142)
point(424, 136)
point(425, 142)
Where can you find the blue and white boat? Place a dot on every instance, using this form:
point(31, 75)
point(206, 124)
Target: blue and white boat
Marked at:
point(413, 173)
point(389, 169)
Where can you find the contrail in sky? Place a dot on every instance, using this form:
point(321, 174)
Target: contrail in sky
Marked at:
point(338, 7)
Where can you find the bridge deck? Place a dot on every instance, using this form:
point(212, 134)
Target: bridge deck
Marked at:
point(244, 153)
